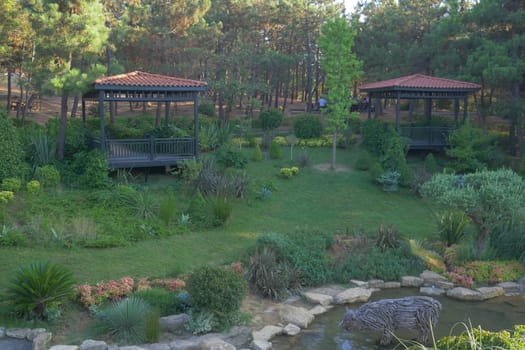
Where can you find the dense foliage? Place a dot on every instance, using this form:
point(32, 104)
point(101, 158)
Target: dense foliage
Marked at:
point(11, 152)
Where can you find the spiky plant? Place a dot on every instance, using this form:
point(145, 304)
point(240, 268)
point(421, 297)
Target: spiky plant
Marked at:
point(37, 287)
point(125, 320)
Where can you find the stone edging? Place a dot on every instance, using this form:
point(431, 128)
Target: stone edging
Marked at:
point(293, 318)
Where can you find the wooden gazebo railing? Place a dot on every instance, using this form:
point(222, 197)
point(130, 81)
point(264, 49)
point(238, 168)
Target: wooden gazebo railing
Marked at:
point(426, 137)
point(149, 152)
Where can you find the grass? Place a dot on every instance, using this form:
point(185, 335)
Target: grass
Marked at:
point(345, 201)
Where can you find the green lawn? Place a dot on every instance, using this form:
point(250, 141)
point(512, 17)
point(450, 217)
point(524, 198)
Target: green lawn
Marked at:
point(344, 201)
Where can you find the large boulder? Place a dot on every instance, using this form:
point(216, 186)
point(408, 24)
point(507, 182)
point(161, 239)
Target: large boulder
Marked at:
point(64, 347)
point(353, 295)
point(267, 333)
point(510, 288)
point(299, 316)
point(432, 291)
point(490, 292)
point(261, 345)
point(291, 329)
point(91, 344)
point(462, 293)
point(317, 298)
point(411, 281)
point(173, 323)
point(215, 344)
point(432, 278)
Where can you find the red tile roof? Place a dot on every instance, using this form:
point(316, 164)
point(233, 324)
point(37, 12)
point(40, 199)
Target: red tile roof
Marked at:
point(420, 81)
point(138, 78)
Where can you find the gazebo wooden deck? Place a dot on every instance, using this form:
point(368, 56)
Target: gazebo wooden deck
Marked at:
point(427, 88)
point(146, 87)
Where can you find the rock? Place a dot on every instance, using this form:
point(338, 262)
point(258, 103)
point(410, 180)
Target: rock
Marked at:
point(2, 332)
point(131, 347)
point(462, 293)
point(316, 298)
point(353, 295)
point(329, 290)
point(291, 329)
point(215, 344)
point(261, 345)
point(431, 278)
point(267, 333)
point(509, 288)
point(17, 333)
point(41, 340)
point(444, 285)
point(90, 344)
point(156, 346)
point(185, 344)
point(173, 323)
point(521, 282)
point(33, 333)
point(431, 291)
point(296, 315)
point(490, 292)
point(411, 281)
point(358, 283)
point(238, 336)
point(64, 347)
point(318, 310)
point(376, 284)
point(392, 285)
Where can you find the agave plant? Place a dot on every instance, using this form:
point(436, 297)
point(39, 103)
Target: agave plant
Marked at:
point(126, 320)
point(36, 288)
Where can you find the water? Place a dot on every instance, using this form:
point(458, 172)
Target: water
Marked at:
point(324, 334)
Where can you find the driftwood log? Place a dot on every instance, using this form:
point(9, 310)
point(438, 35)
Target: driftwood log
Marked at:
point(413, 313)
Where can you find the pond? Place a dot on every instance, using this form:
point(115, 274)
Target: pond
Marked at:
point(324, 333)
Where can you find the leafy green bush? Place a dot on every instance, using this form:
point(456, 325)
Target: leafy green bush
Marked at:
point(364, 161)
point(166, 131)
point(451, 226)
point(6, 196)
point(200, 322)
point(90, 170)
point(218, 291)
point(228, 156)
point(167, 209)
point(308, 126)
point(257, 153)
point(207, 108)
point(11, 184)
point(37, 290)
point(479, 339)
point(222, 209)
point(270, 119)
point(48, 176)
point(275, 150)
point(12, 238)
point(33, 187)
point(375, 135)
point(11, 151)
point(508, 239)
point(215, 135)
point(76, 136)
point(431, 164)
point(125, 320)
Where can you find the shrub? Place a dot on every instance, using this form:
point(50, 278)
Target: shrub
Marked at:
point(222, 209)
point(167, 302)
point(270, 119)
point(200, 322)
point(33, 187)
point(375, 135)
point(88, 169)
point(12, 238)
point(451, 226)
point(37, 290)
point(257, 153)
point(477, 338)
point(387, 238)
point(228, 156)
point(125, 320)
point(11, 151)
point(389, 180)
point(207, 108)
point(275, 150)
point(508, 239)
point(6, 196)
point(271, 276)
point(431, 164)
point(308, 126)
point(364, 161)
point(11, 184)
point(218, 291)
point(48, 176)
point(167, 209)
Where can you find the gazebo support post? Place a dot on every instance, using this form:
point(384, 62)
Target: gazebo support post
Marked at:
point(83, 110)
point(102, 122)
point(398, 109)
point(166, 113)
point(196, 124)
point(369, 106)
point(456, 111)
point(465, 106)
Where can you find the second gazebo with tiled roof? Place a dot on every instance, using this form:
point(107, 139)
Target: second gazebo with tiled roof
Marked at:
point(147, 87)
point(419, 86)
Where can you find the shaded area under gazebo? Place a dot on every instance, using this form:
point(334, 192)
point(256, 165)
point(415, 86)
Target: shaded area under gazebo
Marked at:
point(146, 87)
point(421, 87)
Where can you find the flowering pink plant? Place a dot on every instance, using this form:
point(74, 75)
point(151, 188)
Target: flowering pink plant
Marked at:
point(115, 290)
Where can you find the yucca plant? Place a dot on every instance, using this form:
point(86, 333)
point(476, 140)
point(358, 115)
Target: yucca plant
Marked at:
point(451, 226)
point(38, 287)
point(387, 237)
point(125, 320)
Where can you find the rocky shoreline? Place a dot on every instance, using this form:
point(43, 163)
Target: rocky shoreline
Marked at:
point(287, 318)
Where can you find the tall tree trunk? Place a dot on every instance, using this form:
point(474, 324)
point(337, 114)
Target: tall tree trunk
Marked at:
point(74, 107)
point(63, 127)
point(9, 91)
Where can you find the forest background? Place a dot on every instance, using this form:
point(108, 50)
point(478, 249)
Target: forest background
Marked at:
point(257, 53)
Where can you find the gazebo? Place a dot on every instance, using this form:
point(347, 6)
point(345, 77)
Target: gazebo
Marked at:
point(427, 88)
point(139, 86)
